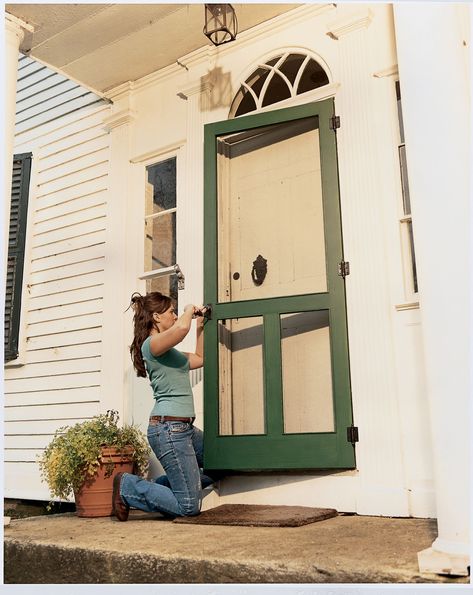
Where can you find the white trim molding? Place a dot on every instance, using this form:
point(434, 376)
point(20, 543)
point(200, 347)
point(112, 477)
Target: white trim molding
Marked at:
point(122, 117)
point(194, 88)
point(148, 157)
point(387, 72)
point(349, 24)
point(16, 24)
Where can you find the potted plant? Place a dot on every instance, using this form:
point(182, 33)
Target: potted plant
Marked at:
point(83, 460)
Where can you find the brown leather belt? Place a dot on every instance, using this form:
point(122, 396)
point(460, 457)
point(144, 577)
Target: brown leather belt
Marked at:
point(162, 418)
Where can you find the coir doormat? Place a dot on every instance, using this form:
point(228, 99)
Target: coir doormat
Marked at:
point(257, 515)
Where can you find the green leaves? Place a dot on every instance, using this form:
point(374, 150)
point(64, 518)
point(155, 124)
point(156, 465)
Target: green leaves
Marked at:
point(75, 452)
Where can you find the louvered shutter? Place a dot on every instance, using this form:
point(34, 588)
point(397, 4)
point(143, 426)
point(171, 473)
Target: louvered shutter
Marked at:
point(16, 252)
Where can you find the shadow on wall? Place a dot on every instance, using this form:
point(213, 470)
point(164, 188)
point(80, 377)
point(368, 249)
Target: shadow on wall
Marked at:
point(220, 84)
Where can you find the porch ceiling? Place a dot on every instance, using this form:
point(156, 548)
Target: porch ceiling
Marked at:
point(104, 45)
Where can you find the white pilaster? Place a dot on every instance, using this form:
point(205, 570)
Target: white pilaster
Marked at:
point(190, 250)
point(117, 288)
point(432, 55)
point(379, 458)
point(190, 208)
point(14, 34)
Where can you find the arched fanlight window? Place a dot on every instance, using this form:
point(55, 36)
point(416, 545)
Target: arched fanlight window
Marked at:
point(280, 78)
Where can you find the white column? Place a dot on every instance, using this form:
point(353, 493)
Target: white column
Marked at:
point(432, 55)
point(14, 34)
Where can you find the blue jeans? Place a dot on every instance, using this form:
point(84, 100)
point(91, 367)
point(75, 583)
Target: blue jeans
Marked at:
point(179, 448)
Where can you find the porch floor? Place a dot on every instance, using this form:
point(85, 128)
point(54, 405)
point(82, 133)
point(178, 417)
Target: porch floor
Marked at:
point(67, 549)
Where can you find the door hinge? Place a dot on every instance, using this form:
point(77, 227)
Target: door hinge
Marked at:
point(334, 122)
point(352, 434)
point(343, 268)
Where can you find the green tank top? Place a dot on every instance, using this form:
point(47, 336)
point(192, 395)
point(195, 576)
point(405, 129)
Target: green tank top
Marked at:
point(169, 378)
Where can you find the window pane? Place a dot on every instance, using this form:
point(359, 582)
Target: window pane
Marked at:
point(270, 209)
point(313, 77)
point(245, 101)
point(277, 90)
point(291, 66)
point(241, 395)
point(257, 79)
point(162, 178)
point(160, 242)
point(306, 372)
point(166, 285)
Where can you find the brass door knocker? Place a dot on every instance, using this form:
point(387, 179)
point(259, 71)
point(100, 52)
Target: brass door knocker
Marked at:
point(259, 270)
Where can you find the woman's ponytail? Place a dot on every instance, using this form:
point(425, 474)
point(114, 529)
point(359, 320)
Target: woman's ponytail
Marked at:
point(144, 307)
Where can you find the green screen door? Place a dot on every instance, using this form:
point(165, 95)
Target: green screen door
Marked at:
point(276, 376)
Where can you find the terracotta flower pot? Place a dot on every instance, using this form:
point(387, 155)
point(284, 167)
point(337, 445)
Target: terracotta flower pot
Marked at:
point(94, 499)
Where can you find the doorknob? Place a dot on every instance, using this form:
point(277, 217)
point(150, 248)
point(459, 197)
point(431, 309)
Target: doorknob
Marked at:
point(259, 270)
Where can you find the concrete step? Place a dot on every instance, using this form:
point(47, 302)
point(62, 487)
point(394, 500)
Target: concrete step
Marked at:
point(150, 549)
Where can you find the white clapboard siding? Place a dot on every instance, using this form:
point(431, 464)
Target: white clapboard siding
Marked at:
point(60, 128)
point(27, 123)
point(78, 203)
point(22, 455)
point(65, 325)
point(65, 285)
point(27, 442)
point(66, 271)
point(78, 394)
point(49, 412)
point(97, 170)
point(66, 353)
point(53, 101)
point(70, 154)
point(71, 207)
point(89, 225)
point(29, 84)
point(68, 169)
point(37, 97)
point(49, 313)
point(65, 298)
point(89, 335)
point(23, 385)
point(59, 380)
point(45, 369)
point(96, 184)
point(42, 426)
point(71, 244)
point(70, 218)
point(75, 138)
point(64, 258)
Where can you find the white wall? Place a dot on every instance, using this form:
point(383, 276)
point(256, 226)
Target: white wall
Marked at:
point(356, 45)
point(56, 380)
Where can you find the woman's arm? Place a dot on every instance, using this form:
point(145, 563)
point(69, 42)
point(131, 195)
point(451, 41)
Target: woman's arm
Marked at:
point(196, 360)
point(163, 341)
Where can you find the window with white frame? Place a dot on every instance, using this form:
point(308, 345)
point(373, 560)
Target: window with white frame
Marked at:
point(407, 234)
point(160, 227)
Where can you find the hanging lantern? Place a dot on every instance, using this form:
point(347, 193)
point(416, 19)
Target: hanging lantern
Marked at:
point(221, 24)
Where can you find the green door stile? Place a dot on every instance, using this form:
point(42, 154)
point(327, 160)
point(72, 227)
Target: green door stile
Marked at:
point(274, 449)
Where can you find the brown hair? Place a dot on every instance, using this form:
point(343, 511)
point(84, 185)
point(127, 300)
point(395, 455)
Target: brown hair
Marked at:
point(144, 306)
